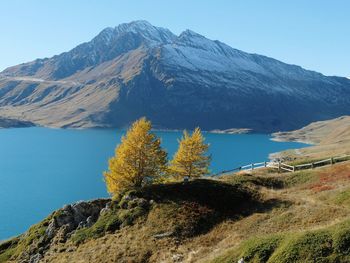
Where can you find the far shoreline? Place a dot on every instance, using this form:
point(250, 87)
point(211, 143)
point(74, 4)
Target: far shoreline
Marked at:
point(214, 131)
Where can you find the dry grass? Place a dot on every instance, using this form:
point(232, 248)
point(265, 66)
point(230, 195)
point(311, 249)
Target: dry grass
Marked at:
point(315, 201)
point(290, 205)
point(330, 138)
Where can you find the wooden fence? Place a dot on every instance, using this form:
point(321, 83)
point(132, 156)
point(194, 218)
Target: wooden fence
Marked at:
point(286, 167)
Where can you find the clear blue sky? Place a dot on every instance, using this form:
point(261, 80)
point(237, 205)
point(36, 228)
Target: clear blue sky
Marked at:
point(312, 33)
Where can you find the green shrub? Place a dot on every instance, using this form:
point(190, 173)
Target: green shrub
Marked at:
point(105, 223)
point(252, 180)
point(329, 245)
point(127, 217)
point(33, 237)
point(260, 249)
point(256, 250)
point(8, 249)
point(108, 222)
point(305, 247)
point(299, 178)
point(342, 198)
point(341, 239)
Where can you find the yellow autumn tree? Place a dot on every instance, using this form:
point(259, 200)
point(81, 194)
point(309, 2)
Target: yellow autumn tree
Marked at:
point(139, 159)
point(191, 158)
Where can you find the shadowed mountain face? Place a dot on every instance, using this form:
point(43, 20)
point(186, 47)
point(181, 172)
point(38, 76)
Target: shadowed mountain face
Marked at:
point(183, 81)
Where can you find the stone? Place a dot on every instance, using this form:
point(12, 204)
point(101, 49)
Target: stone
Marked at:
point(50, 231)
point(35, 258)
point(137, 202)
point(90, 221)
point(104, 210)
point(177, 258)
point(163, 235)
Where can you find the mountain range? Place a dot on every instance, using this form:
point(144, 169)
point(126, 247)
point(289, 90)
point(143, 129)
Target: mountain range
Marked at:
point(177, 81)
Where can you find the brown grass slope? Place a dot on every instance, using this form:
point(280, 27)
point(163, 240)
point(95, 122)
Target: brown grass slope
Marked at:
point(314, 227)
point(330, 138)
point(141, 226)
point(264, 217)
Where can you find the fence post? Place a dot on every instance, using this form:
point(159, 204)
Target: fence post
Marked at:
point(293, 168)
point(332, 161)
point(279, 166)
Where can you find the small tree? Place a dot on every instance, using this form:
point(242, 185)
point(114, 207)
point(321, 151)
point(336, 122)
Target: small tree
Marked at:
point(190, 159)
point(138, 160)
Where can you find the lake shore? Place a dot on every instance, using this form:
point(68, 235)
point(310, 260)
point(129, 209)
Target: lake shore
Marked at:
point(13, 123)
point(326, 138)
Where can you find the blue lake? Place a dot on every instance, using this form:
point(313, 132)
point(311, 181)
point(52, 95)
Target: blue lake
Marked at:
point(42, 169)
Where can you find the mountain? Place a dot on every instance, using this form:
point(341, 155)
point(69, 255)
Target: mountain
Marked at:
point(184, 81)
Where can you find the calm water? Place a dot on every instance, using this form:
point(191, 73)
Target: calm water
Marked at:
point(43, 169)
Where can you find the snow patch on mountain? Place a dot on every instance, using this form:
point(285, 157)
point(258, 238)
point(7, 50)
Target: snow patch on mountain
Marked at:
point(192, 58)
point(147, 30)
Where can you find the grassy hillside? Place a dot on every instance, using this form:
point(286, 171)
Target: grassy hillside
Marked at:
point(330, 138)
point(140, 225)
point(314, 227)
point(263, 217)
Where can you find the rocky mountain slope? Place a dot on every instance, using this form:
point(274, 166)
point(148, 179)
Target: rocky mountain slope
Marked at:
point(184, 81)
point(13, 123)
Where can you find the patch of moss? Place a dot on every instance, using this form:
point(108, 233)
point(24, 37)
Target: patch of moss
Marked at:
point(36, 232)
point(326, 245)
point(342, 198)
point(243, 179)
point(257, 249)
point(341, 239)
point(32, 239)
point(108, 222)
point(313, 246)
point(299, 178)
point(127, 217)
point(121, 199)
point(8, 249)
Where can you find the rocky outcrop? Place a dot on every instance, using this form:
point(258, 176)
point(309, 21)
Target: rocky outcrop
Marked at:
point(57, 228)
point(60, 226)
point(13, 123)
point(75, 216)
point(133, 227)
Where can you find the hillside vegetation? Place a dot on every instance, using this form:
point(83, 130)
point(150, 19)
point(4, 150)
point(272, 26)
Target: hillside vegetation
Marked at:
point(139, 226)
point(263, 217)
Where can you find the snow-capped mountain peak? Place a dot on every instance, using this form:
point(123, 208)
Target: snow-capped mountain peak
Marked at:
point(137, 69)
point(146, 30)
